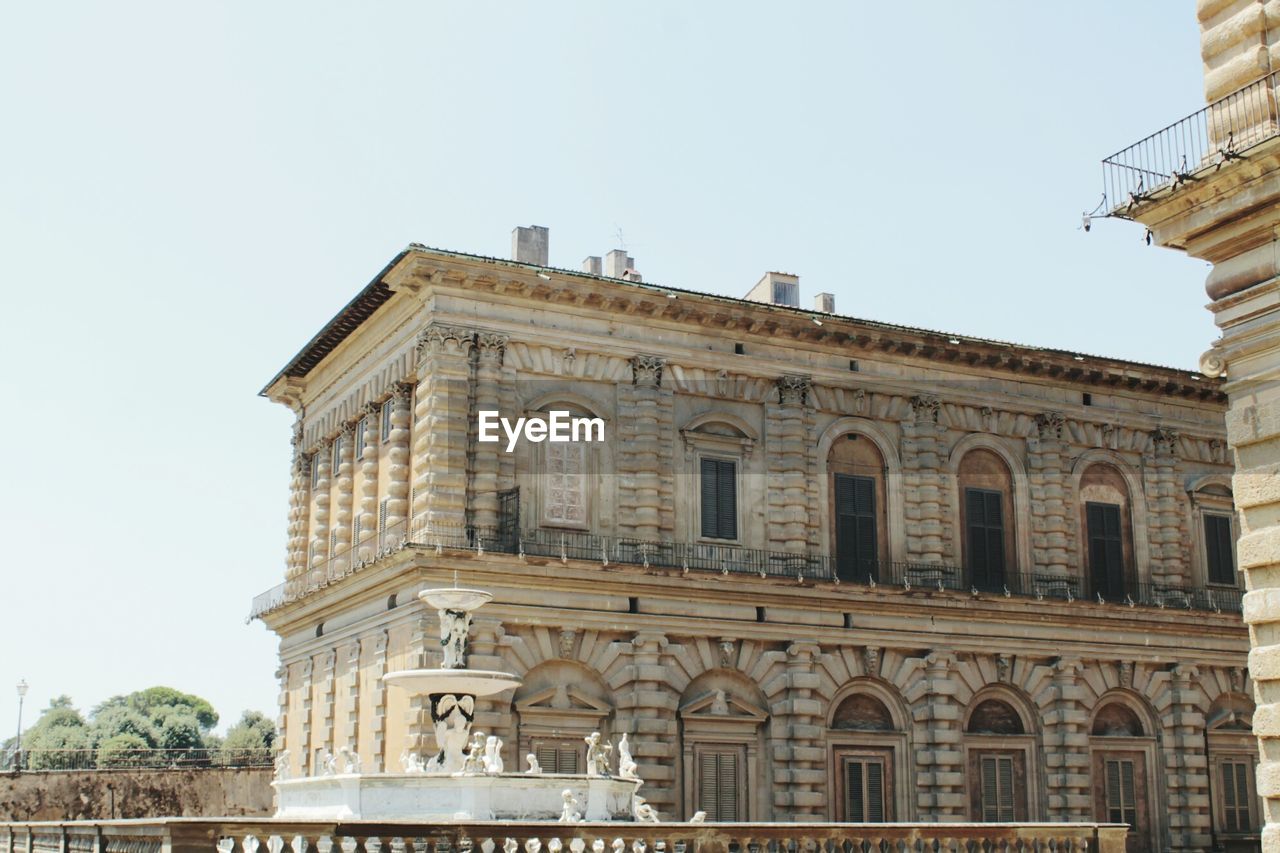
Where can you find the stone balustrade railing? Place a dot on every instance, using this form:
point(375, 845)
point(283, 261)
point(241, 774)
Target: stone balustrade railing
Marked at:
point(264, 835)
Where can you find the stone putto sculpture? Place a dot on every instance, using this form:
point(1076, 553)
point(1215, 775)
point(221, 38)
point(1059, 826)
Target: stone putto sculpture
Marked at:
point(493, 755)
point(644, 811)
point(535, 768)
point(626, 764)
point(570, 812)
point(454, 627)
point(350, 760)
point(282, 766)
point(474, 762)
point(597, 755)
point(326, 763)
point(411, 762)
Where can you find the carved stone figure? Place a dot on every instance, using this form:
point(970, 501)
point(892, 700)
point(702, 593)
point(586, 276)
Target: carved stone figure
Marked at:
point(535, 768)
point(411, 762)
point(451, 720)
point(454, 627)
point(493, 755)
point(327, 762)
point(570, 812)
point(644, 812)
point(474, 762)
point(626, 764)
point(350, 760)
point(728, 658)
point(282, 766)
point(567, 636)
point(719, 704)
point(597, 755)
point(698, 817)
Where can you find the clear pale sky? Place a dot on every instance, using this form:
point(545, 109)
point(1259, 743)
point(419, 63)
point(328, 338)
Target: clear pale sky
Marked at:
point(189, 191)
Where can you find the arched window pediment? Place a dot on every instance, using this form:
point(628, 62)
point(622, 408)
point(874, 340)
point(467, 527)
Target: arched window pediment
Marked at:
point(862, 712)
point(995, 717)
point(1115, 719)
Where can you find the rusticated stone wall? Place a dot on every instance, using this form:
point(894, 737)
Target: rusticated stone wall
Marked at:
point(119, 794)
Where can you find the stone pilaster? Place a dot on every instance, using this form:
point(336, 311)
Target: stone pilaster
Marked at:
point(424, 642)
point(799, 775)
point(322, 460)
point(1186, 763)
point(1161, 480)
point(345, 495)
point(493, 713)
point(925, 498)
point(490, 348)
point(639, 435)
point(328, 693)
point(440, 429)
point(1047, 473)
point(379, 722)
point(299, 505)
point(1066, 743)
point(939, 754)
point(282, 715)
point(786, 442)
point(646, 711)
point(308, 745)
point(351, 679)
point(367, 520)
point(396, 525)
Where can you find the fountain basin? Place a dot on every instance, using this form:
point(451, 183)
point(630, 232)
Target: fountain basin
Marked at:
point(473, 682)
point(417, 796)
point(452, 598)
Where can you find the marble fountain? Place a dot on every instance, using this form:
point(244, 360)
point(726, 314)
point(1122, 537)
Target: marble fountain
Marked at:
point(464, 779)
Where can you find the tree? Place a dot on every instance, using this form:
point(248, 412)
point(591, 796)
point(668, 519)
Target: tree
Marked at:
point(110, 720)
point(179, 731)
point(157, 703)
point(59, 728)
point(121, 750)
point(253, 731)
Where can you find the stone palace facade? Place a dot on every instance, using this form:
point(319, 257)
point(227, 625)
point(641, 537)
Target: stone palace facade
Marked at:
point(820, 568)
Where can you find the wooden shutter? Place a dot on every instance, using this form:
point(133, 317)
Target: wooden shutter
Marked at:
point(984, 523)
point(1236, 798)
point(856, 551)
point(1217, 544)
point(386, 418)
point(855, 802)
point(718, 784)
point(557, 757)
point(864, 790)
point(1106, 549)
point(719, 498)
point(1121, 797)
point(997, 780)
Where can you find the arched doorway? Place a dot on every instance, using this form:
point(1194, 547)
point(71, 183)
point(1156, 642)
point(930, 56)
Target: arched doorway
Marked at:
point(1000, 760)
point(1122, 762)
point(870, 770)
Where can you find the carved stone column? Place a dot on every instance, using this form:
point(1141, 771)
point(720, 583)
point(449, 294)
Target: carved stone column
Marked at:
point(282, 742)
point(328, 686)
point(299, 506)
point(342, 502)
point(440, 431)
point(490, 347)
point(379, 727)
point(1186, 762)
point(1047, 473)
point(786, 441)
point(646, 712)
point(1066, 745)
point(925, 498)
point(322, 459)
point(398, 467)
point(1161, 480)
point(800, 776)
point(351, 683)
point(367, 521)
point(940, 755)
point(639, 435)
point(308, 746)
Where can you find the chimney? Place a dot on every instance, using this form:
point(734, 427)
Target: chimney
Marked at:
point(529, 245)
point(616, 264)
point(825, 302)
point(593, 265)
point(777, 288)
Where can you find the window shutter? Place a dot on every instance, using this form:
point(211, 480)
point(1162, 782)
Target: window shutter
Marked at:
point(382, 515)
point(989, 790)
point(855, 807)
point(727, 782)
point(1004, 766)
point(1243, 799)
point(975, 509)
point(1130, 795)
point(707, 800)
point(855, 519)
point(727, 504)
point(1115, 810)
point(547, 755)
point(875, 792)
point(567, 760)
point(1217, 542)
point(386, 418)
point(1229, 798)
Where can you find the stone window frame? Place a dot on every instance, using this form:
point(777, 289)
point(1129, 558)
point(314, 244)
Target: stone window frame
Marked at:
point(1204, 503)
point(895, 503)
point(738, 449)
point(593, 476)
point(1147, 744)
point(1138, 514)
point(1022, 560)
point(1027, 744)
point(743, 728)
point(898, 743)
point(1231, 745)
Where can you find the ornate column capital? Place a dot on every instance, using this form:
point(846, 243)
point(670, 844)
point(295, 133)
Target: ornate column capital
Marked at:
point(402, 391)
point(438, 339)
point(1049, 425)
point(925, 408)
point(1164, 441)
point(646, 370)
point(492, 346)
point(793, 390)
point(1067, 668)
point(648, 642)
point(803, 651)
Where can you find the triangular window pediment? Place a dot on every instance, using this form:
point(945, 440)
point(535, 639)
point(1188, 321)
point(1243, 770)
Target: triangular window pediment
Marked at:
point(563, 699)
point(720, 704)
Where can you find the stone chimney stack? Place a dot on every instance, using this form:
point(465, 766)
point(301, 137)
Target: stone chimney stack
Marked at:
point(777, 288)
point(825, 302)
point(593, 265)
point(530, 245)
point(617, 262)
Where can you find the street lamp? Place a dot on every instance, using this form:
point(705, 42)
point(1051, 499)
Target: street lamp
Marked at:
point(17, 747)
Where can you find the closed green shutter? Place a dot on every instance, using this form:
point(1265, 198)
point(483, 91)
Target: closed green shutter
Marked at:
point(864, 790)
point(719, 498)
point(984, 523)
point(1217, 544)
point(856, 551)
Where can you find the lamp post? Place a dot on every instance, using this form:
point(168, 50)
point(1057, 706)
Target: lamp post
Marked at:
point(17, 747)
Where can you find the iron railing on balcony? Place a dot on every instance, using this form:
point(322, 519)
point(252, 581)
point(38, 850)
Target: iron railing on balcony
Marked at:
point(260, 835)
point(136, 759)
point(1223, 131)
point(726, 559)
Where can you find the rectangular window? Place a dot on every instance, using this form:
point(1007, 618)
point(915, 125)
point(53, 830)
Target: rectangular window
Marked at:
point(1217, 546)
point(997, 789)
point(1119, 792)
point(361, 441)
point(1106, 550)
point(387, 408)
point(856, 553)
point(984, 543)
point(864, 789)
point(565, 500)
point(719, 491)
point(1237, 797)
point(558, 756)
point(719, 782)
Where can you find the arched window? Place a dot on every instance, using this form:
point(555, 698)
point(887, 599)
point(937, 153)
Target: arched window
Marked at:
point(1233, 753)
point(864, 713)
point(1116, 720)
point(986, 500)
point(856, 495)
point(723, 722)
point(1107, 523)
point(869, 755)
point(1123, 761)
point(1213, 513)
point(999, 756)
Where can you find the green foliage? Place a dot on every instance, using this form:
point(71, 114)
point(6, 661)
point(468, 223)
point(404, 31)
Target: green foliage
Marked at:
point(59, 727)
point(121, 750)
point(158, 703)
point(253, 731)
point(112, 720)
point(179, 731)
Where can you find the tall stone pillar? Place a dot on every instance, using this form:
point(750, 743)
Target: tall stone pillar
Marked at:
point(351, 683)
point(322, 459)
point(308, 724)
point(1164, 517)
point(299, 508)
point(484, 485)
point(639, 492)
point(1047, 466)
point(343, 501)
point(799, 775)
point(379, 723)
point(1066, 744)
point(395, 527)
point(328, 693)
point(923, 483)
point(647, 713)
point(1186, 763)
point(440, 431)
point(282, 715)
point(786, 442)
point(367, 519)
point(940, 753)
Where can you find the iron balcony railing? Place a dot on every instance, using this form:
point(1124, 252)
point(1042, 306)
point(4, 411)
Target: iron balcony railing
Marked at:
point(725, 559)
point(1180, 153)
point(136, 759)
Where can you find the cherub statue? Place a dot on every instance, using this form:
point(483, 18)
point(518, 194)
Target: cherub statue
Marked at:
point(626, 764)
point(474, 762)
point(411, 762)
point(698, 817)
point(719, 704)
point(597, 755)
point(452, 716)
point(350, 760)
point(643, 811)
point(454, 627)
point(493, 755)
point(326, 762)
point(570, 813)
point(535, 768)
point(282, 766)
